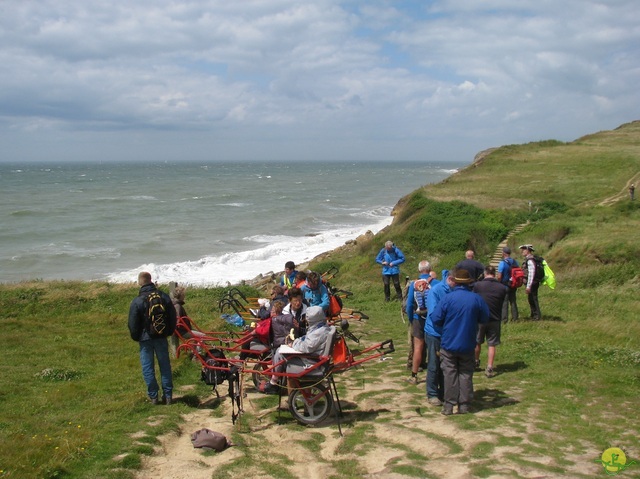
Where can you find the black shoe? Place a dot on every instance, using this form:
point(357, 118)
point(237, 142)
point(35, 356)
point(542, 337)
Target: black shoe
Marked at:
point(271, 389)
point(167, 400)
point(447, 411)
point(463, 409)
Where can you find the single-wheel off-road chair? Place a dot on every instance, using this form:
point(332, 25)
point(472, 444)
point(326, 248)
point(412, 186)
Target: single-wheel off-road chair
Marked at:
point(307, 380)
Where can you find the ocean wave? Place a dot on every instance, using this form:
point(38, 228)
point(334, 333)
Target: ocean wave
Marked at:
point(233, 267)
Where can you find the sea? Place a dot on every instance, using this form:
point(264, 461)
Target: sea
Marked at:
point(200, 224)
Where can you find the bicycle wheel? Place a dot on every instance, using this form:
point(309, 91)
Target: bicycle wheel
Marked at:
point(311, 405)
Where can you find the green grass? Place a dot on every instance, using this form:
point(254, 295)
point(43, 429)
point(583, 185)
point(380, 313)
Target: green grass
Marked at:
point(72, 395)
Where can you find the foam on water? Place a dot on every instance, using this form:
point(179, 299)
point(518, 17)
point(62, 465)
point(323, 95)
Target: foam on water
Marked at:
point(196, 224)
point(238, 266)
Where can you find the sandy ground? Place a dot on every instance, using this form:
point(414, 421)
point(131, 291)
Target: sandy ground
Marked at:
point(397, 433)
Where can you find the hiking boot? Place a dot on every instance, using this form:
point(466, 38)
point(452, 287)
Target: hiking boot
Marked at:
point(464, 409)
point(489, 372)
point(434, 401)
point(154, 400)
point(447, 411)
point(478, 368)
point(412, 380)
point(167, 400)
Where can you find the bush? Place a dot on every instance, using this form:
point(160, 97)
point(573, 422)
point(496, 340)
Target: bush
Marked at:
point(447, 227)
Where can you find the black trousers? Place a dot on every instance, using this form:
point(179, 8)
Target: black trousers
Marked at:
point(532, 297)
point(386, 279)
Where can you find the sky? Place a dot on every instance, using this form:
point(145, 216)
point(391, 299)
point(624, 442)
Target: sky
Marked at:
point(285, 80)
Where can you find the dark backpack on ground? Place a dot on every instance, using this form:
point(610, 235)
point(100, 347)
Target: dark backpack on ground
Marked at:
point(208, 439)
point(156, 314)
point(213, 377)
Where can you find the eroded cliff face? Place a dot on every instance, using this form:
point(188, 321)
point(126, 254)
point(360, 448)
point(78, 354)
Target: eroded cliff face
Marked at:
point(482, 155)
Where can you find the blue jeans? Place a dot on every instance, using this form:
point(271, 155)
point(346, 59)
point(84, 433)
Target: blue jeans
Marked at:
point(160, 348)
point(435, 378)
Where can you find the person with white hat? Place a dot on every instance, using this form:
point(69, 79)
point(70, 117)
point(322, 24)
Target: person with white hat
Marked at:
point(314, 342)
point(533, 283)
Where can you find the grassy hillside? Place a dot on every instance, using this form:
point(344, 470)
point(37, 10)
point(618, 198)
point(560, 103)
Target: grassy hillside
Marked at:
point(573, 194)
point(73, 402)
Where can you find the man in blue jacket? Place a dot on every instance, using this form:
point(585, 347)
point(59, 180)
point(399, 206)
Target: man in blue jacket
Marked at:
point(416, 309)
point(458, 315)
point(390, 257)
point(435, 378)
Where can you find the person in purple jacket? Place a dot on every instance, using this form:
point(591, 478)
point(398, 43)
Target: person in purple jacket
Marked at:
point(457, 315)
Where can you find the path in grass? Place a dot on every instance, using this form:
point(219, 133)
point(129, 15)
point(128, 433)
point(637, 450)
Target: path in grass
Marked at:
point(624, 193)
point(389, 431)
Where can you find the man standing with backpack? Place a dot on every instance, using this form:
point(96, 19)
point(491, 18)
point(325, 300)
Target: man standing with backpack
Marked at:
point(535, 275)
point(152, 318)
point(504, 276)
point(416, 309)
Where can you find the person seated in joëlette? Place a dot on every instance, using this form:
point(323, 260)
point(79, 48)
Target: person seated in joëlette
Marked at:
point(281, 325)
point(314, 342)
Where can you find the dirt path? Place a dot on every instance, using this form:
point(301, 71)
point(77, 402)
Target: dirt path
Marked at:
point(624, 193)
point(389, 430)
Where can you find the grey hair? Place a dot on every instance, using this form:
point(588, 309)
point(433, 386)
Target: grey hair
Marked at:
point(424, 266)
point(388, 244)
point(178, 293)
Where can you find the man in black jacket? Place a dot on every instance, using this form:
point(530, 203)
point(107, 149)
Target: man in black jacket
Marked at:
point(473, 266)
point(493, 292)
point(152, 343)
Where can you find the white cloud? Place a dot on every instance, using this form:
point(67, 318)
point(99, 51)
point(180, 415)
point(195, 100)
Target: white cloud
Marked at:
point(339, 78)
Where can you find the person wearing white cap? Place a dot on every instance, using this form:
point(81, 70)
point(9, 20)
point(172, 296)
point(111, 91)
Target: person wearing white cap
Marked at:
point(533, 284)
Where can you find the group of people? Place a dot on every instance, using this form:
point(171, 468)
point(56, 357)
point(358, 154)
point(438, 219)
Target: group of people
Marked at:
point(300, 302)
point(451, 318)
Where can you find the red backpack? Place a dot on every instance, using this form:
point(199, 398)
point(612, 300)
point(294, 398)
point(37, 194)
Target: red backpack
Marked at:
point(335, 305)
point(517, 277)
point(263, 331)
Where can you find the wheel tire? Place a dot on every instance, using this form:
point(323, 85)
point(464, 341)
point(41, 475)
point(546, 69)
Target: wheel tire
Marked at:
point(314, 413)
point(257, 376)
